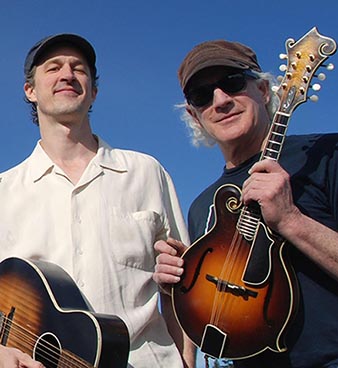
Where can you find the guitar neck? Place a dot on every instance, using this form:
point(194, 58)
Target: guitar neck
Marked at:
point(274, 144)
point(304, 58)
point(250, 216)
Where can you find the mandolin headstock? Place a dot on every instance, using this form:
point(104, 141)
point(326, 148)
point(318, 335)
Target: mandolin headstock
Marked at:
point(304, 57)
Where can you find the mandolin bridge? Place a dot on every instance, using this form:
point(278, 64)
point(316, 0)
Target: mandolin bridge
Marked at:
point(234, 289)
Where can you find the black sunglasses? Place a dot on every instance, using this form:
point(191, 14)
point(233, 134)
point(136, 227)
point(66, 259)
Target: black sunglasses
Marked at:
point(231, 83)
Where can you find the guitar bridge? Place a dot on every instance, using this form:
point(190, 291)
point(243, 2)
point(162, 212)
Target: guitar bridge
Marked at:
point(5, 325)
point(213, 341)
point(2, 320)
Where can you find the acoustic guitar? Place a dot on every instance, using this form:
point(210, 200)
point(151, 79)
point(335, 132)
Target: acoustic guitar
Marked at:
point(239, 294)
point(43, 313)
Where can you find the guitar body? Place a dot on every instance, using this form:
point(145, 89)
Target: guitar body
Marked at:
point(43, 313)
point(234, 300)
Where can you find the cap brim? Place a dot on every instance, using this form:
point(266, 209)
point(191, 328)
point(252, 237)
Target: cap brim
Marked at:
point(78, 42)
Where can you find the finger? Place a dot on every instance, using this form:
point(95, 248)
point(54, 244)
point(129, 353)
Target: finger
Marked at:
point(164, 248)
point(266, 165)
point(170, 276)
point(174, 268)
point(166, 259)
point(177, 244)
point(26, 361)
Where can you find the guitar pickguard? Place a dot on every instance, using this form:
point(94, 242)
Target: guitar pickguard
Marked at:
point(258, 266)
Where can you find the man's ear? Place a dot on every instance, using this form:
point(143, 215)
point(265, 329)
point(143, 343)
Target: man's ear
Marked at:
point(264, 88)
point(29, 92)
point(94, 94)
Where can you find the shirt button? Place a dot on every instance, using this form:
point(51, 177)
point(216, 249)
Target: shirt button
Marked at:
point(79, 251)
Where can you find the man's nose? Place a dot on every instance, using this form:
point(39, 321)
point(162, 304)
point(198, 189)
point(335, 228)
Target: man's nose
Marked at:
point(221, 98)
point(67, 72)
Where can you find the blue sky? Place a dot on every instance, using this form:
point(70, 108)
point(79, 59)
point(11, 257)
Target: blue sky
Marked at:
point(139, 46)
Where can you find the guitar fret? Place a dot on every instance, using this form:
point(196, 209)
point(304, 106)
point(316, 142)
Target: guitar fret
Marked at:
point(278, 134)
point(282, 114)
point(247, 232)
point(249, 225)
point(274, 142)
point(270, 157)
point(280, 124)
point(272, 150)
point(280, 129)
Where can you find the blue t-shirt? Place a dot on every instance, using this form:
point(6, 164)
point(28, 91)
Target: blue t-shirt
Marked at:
point(312, 162)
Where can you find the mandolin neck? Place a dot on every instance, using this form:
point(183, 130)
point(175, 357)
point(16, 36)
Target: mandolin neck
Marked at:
point(250, 215)
point(277, 133)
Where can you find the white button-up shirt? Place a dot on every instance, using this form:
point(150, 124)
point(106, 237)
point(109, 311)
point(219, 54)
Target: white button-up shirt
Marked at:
point(101, 231)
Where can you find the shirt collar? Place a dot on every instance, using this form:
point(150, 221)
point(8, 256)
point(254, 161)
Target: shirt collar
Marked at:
point(41, 164)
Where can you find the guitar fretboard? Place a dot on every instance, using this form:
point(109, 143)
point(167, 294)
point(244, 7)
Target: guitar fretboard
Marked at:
point(277, 134)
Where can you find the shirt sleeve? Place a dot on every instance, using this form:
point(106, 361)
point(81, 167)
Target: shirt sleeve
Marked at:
point(175, 223)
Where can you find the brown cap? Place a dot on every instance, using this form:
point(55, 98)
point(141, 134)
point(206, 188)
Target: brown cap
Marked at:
point(214, 53)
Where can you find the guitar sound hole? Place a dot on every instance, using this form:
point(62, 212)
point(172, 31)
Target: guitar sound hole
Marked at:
point(48, 350)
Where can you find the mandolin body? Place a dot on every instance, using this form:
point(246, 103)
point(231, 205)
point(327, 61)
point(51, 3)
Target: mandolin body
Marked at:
point(236, 297)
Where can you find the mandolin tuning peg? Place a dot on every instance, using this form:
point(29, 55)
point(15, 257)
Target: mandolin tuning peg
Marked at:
point(314, 98)
point(321, 76)
point(274, 88)
point(329, 66)
point(283, 56)
point(316, 87)
point(282, 68)
point(279, 78)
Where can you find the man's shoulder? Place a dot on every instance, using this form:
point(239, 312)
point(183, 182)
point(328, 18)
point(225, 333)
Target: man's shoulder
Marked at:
point(206, 197)
point(135, 158)
point(127, 159)
point(14, 171)
point(310, 146)
point(312, 138)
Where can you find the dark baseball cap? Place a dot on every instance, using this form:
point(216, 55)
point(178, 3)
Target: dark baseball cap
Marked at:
point(217, 53)
point(38, 50)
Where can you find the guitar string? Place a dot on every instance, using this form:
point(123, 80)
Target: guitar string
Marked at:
point(221, 301)
point(53, 357)
point(236, 277)
point(17, 331)
point(225, 277)
point(220, 287)
point(48, 357)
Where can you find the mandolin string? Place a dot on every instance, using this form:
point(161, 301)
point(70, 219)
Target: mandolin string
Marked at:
point(27, 339)
point(228, 276)
point(225, 276)
point(236, 252)
point(216, 310)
